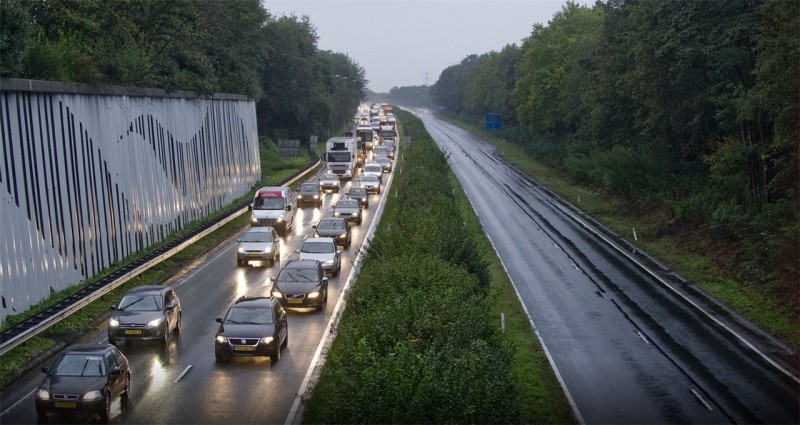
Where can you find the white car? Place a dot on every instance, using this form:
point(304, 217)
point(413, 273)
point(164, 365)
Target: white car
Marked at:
point(371, 183)
point(323, 250)
point(373, 169)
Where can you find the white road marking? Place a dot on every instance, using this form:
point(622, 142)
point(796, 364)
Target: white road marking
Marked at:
point(181, 375)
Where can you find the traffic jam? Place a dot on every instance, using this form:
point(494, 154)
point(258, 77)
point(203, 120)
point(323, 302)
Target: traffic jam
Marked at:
point(299, 243)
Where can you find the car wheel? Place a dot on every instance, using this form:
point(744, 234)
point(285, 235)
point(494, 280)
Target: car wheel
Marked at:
point(112, 341)
point(41, 416)
point(126, 392)
point(275, 355)
point(106, 409)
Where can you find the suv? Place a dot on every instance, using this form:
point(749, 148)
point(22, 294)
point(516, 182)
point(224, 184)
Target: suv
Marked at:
point(149, 312)
point(253, 326)
point(259, 243)
point(301, 283)
point(324, 250)
point(310, 193)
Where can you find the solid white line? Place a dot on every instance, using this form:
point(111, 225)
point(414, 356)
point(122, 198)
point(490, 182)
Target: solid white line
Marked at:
point(642, 336)
point(18, 403)
point(316, 361)
point(181, 375)
point(207, 263)
point(708, 406)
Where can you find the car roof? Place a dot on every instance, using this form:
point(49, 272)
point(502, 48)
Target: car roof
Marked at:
point(310, 184)
point(261, 302)
point(301, 264)
point(147, 289)
point(262, 229)
point(346, 201)
point(87, 348)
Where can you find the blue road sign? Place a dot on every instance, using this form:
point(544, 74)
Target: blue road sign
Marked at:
point(494, 122)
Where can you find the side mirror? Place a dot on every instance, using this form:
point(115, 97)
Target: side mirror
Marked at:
point(238, 240)
point(219, 320)
point(288, 208)
point(114, 372)
point(45, 370)
point(313, 226)
point(250, 207)
point(113, 307)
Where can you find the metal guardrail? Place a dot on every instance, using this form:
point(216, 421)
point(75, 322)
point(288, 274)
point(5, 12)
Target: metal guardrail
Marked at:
point(26, 329)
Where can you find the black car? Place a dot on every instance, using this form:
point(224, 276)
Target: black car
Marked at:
point(149, 312)
point(336, 228)
point(360, 194)
point(310, 193)
point(84, 379)
point(253, 326)
point(302, 283)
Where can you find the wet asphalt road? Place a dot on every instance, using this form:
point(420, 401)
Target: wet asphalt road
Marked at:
point(182, 383)
point(627, 347)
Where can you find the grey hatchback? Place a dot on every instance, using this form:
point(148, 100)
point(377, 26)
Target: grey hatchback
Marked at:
point(149, 312)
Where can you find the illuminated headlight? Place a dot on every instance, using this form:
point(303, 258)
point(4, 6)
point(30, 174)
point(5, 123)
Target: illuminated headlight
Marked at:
point(280, 219)
point(355, 213)
point(42, 394)
point(154, 323)
point(314, 294)
point(241, 250)
point(337, 213)
point(253, 219)
point(328, 262)
point(277, 294)
point(299, 196)
point(113, 323)
point(268, 249)
point(266, 340)
point(343, 235)
point(316, 196)
point(93, 395)
point(221, 339)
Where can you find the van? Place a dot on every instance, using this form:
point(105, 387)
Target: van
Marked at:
point(272, 206)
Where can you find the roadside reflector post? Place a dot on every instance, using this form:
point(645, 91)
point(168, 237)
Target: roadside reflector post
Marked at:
point(503, 322)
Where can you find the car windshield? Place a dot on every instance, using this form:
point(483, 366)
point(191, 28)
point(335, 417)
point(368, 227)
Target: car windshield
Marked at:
point(347, 203)
point(331, 224)
point(308, 187)
point(318, 248)
point(268, 204)
point(298, 275)
point(257, 237)
point(140, 303)
point(369, 179)
point(249, 315)
point(78, 365)
point(372, 168)
point(358, 192)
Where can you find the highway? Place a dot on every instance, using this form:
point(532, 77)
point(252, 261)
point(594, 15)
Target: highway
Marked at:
point(628, 345)
point(182, 382)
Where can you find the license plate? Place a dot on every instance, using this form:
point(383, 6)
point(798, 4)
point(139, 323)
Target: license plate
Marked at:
point(244, 348)
point(66, 405)
point(133, 331)
point(295, 301)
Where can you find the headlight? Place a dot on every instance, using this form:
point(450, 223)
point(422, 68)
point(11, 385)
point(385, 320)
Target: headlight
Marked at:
point(316, 196)
point(268, 249)
point(266, 340)
point(42, 394)
point(343, 235)
point(253, 219)
point(328, 262)
point(241, 250)
point(154, 323)
point(280, 219)
point(277, 294)
point(355, 213)
point(299, 196)
point(93, 395)
point(314, 294)
point(336, 213)
point(221, 339)
point(113, 323)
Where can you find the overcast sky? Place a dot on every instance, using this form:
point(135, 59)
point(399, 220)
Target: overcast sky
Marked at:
point(410, 42)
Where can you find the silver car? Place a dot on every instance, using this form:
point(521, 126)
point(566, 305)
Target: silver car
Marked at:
point(373, 169)
point(323, 250)
point(348, 209)
point(371, 183)
point(329, 181)
point(259, 243)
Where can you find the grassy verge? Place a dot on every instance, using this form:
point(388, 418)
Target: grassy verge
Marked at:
point(688, 255)
point(395, 350)
point(25, 356)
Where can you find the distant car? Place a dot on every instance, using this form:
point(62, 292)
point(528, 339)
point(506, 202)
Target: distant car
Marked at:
point(373, 169)
point(329, 181)
point(310, 193)
point(386, 163)
point(391, 148)
point(259, 243)
point(359, 193)
point(348, 209)
point(301, 283)
point(323, 250)
point(84, 379)
point(371, 183)
point(149, 312)
point(253, 326)
point(336, 228)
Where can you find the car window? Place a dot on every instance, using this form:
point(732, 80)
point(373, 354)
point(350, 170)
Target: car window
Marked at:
point(117, 356)
point(331, 224)
point(347, 203)
point(141, 303)
point(78, 365)
point(257, 237)
point(268, 204)
point(318, 248)
point(249, 315)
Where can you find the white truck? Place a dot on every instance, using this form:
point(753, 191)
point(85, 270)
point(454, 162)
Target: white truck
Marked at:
point(272, 206)
point(341, 156)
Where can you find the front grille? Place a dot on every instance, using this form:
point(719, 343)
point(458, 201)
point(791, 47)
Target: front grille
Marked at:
point(66, 396)
point(295, 296)
point(242, 341)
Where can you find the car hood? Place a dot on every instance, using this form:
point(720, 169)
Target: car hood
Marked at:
point(297, 287)
point(137, 317)
point(323, 257)
point(233, 330)
point(79, 385)
point(330, 233)
point(347, 210)
point(255, 246)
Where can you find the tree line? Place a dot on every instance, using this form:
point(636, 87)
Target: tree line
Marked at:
point(691, 107)
point(205, 46)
